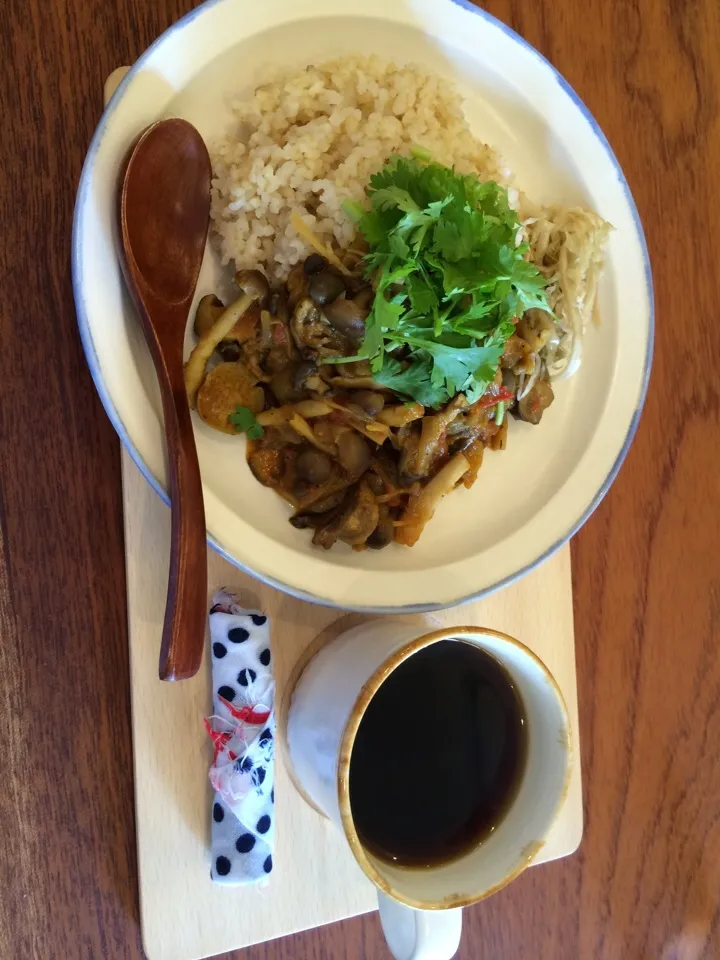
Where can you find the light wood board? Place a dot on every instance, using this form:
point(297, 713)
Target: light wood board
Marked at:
point(315, 879)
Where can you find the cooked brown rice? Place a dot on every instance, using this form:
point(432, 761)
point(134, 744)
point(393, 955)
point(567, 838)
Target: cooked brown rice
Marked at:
point(310, 139)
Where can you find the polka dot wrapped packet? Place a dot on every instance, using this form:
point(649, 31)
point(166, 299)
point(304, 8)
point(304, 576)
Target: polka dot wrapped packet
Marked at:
point(242, 730)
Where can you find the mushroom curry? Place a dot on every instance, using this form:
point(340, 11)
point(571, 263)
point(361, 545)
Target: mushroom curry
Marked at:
point(357, 460)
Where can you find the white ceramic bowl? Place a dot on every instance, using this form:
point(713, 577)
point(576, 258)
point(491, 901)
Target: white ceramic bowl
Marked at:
point(529, 499)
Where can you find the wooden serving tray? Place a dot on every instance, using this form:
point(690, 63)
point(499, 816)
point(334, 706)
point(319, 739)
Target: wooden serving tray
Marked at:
point(315, 878)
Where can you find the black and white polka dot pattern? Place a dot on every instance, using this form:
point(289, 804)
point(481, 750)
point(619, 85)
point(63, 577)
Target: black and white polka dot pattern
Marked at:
point(243, 819)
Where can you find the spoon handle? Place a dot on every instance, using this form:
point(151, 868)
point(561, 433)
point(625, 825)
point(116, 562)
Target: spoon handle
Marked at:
point(183, 634)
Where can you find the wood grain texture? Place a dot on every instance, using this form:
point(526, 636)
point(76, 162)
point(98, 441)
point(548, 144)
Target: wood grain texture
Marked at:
point(646, 572)
point(165, 204)
point(315, 879)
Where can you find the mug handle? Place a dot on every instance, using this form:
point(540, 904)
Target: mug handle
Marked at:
point(419, 934)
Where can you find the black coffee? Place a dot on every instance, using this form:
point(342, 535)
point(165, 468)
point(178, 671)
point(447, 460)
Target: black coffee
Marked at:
point(438, 757)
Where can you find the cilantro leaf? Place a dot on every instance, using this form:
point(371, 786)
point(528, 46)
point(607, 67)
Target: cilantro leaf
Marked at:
point(243, 419)
point(398, 245)
point(460, 368)
point(412, 381)
point(388, 197)
point(423, 297)
point(450, 278)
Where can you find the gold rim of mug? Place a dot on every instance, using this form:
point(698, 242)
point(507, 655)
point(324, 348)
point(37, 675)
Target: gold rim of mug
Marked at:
point(348, 739)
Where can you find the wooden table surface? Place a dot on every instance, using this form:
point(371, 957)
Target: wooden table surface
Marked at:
point(646, 882)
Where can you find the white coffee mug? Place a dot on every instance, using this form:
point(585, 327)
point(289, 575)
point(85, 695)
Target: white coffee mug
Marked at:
point(419, 908)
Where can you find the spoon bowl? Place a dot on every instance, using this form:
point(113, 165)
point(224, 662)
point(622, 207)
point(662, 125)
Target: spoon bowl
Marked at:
point(165, 218)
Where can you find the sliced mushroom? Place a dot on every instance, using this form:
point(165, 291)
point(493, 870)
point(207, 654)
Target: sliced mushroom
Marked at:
point(302, 521)
point(257, 288)
point(347, 318)
point(208, 311)
point(314, 264)
point(320, 513)
point(289, 385)
point(204, 348)
point(303, 373)
point(355, 383)
point(474, 453)
point(297, 285)
point(376, 483)
point(330, 494)
point(307, 409)
point(385, 465)
point(353, 453)
point(302, 427)
point(311, 331)
point(325, 431)
point(313, 466)
point(421, 508)
point(358, 368)
point(360, 421)
point(364, 297)
point(432, 436)
point(229, 350)
point(535, 402)
point(458, 430)
point(371, 401)
point(535, 327)
point(514, 351)
point(325, 286)
point(384, 532)
point(278, 306)
point(509, 381)
point(286, 433)
point(254, 284)
point(402, 414)
point(355, 523)
point(409, 438)
point(330, 502)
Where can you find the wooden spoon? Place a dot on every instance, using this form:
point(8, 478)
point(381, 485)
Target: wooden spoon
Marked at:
point(164, 217)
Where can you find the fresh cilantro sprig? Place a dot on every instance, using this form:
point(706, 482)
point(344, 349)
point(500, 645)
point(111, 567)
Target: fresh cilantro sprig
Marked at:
point(450, 278)
point(243, 419)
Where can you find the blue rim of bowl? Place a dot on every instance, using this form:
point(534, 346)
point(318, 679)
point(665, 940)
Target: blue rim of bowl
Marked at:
point(94, 363)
